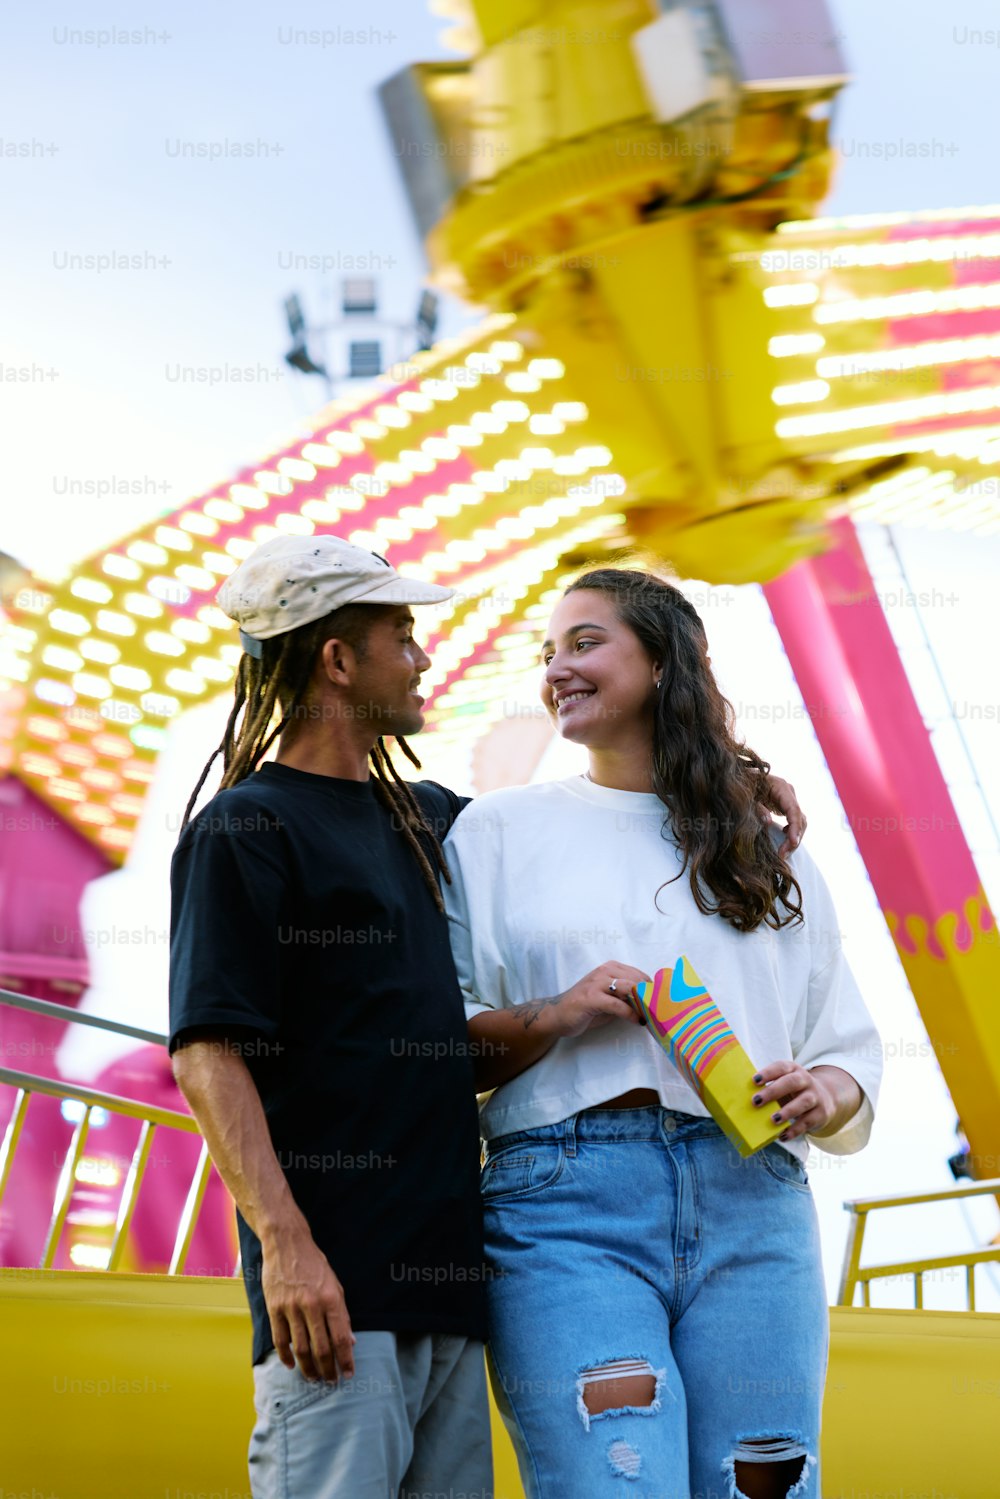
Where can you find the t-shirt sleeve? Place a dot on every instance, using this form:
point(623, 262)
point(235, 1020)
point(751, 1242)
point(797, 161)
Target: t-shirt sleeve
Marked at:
point(440, 805)
point(836, 1029)
point(227, 891)
point(473, 854)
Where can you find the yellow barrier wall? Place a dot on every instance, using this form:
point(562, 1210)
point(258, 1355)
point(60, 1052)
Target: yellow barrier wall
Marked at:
point(139, 1387)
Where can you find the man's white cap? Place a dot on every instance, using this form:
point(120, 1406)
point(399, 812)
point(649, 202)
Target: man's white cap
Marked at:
point(292, 580)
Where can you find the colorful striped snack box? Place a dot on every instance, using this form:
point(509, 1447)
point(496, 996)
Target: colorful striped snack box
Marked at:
point(688, 1024)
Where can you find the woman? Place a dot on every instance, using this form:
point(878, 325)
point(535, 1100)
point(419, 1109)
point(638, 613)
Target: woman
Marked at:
point(657, 1304)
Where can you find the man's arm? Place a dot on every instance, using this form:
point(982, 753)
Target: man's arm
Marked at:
point(304, 1298)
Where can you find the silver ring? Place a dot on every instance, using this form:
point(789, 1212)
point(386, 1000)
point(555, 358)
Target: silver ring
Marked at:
point(613, 986)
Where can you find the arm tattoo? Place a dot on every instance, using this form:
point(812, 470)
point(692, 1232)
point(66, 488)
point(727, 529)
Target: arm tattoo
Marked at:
point(530, 1012)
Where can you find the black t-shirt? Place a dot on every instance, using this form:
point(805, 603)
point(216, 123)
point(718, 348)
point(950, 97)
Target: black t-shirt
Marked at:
point(303, 931)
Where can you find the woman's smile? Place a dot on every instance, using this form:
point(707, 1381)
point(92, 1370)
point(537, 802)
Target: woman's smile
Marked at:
point(565, 700)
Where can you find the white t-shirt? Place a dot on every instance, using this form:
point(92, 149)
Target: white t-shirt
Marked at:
point(551, 880)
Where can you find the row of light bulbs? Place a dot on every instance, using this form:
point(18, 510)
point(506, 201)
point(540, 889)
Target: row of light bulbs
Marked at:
point(176, 543)
point(933, 495)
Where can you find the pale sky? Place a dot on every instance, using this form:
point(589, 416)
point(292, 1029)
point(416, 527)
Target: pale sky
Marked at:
point(105, 164)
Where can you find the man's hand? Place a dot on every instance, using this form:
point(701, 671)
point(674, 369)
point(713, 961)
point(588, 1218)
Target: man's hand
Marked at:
point(781, 798)
point(589, 1003)
point(814, 1101)
point(305, 1302)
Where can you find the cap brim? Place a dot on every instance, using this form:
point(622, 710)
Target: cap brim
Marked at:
point(398, 590)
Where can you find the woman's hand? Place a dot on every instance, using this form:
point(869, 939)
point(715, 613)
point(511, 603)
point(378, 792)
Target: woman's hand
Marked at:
point(814, 1101)
point(590, 1003)
point(781, 798)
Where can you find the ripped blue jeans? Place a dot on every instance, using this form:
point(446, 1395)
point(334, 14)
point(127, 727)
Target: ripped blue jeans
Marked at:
point(636, 1245)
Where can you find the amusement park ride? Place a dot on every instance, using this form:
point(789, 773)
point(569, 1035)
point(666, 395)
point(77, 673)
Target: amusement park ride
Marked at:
point(673, 355)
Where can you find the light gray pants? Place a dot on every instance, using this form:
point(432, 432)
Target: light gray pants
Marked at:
point(412, 1423)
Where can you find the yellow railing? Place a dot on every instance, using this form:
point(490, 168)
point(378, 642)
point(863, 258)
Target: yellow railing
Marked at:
point(854, 1274)
point(150, 1116)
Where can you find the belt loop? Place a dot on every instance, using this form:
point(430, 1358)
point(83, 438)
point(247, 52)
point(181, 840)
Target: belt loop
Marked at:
point(569, 1140)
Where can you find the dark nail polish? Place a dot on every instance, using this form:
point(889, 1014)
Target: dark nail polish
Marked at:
point(757, 1100)
point(757, 1077)
point(776, 1118)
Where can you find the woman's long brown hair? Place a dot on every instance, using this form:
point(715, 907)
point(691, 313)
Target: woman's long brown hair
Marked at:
point(279, 680)
point(711, 783)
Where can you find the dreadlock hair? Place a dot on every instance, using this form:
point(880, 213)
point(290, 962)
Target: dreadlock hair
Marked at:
point(276, 686)
point(710, 782)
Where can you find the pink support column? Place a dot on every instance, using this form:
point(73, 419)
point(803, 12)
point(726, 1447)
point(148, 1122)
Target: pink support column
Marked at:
point(898, 806)
point(45, 866)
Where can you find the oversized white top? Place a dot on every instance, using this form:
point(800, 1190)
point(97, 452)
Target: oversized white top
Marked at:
point(551, 880)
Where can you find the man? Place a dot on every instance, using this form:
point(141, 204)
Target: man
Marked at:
point(319, 1036)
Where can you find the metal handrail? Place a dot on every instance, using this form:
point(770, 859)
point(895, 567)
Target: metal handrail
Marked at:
point(853, 1274)
point(150, 1115)
point(94, 1098)
point(63, 1012)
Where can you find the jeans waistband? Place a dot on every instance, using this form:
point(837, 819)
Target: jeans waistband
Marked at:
point(648, 1123)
